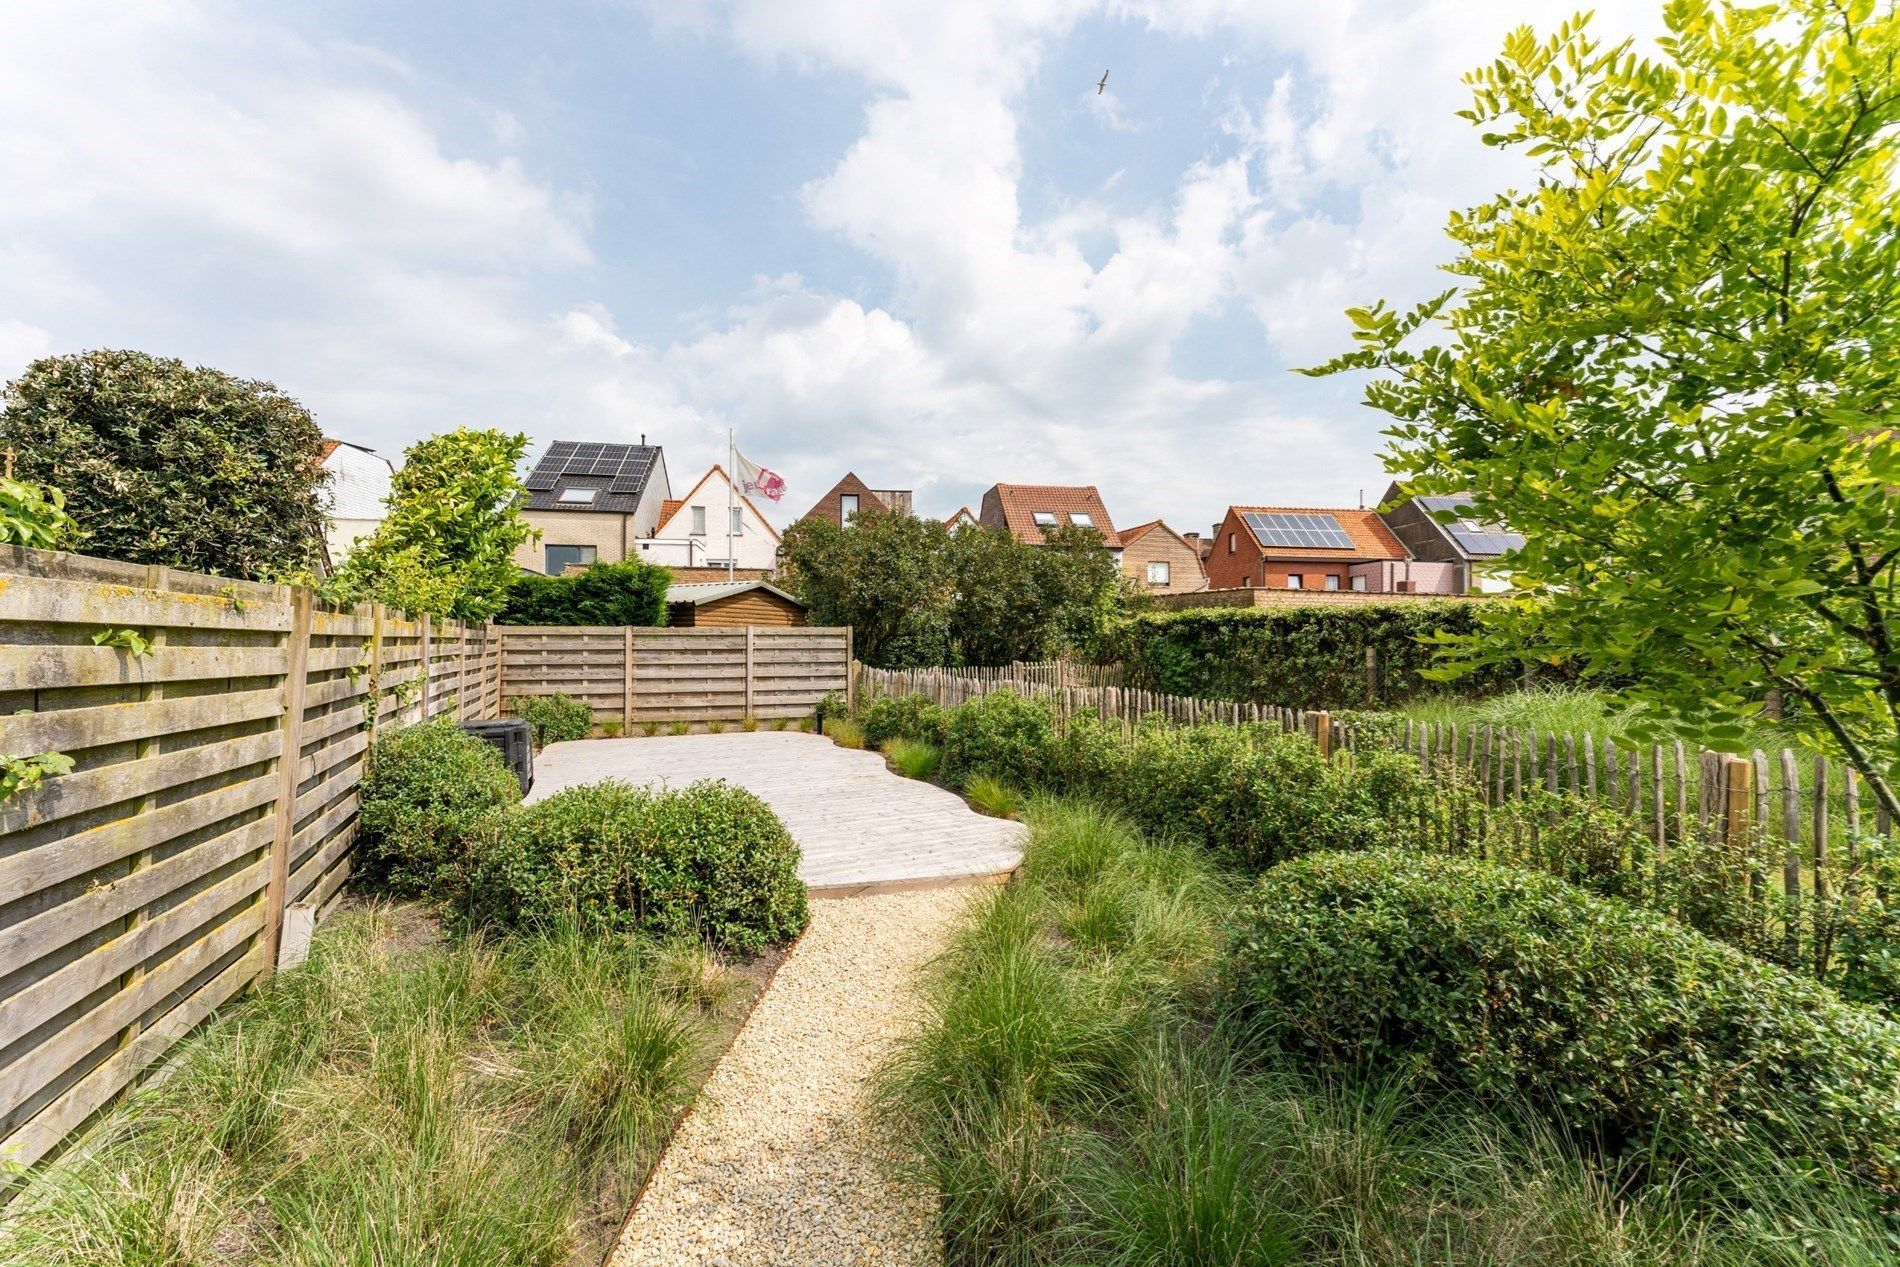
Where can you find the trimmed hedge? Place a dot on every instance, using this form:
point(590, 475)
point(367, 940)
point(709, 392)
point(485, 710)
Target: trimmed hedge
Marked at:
point(628, 593)
point(710, 859)
point(1297, 657)
point(555, 718)
point(430, 794)
point(1616, 1021)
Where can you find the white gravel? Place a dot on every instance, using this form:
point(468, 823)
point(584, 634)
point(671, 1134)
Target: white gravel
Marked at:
point(778, 1163)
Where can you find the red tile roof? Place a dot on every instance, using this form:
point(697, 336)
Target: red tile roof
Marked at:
point(1013, 506)
point(1132, 535)
point(1371, 539)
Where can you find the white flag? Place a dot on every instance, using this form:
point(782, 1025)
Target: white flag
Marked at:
point(755, 479)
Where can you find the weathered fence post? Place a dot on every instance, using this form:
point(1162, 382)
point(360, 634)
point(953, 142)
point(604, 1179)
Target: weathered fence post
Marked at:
point(849, 673)
point(626, 676)
point(850, 670)
point(422, 694)
point(1323, 732)
point(375, 671)
point(1738, 800)
point(1372, 676)
point(290, 757)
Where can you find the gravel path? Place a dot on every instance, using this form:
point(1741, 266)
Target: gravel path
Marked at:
point(776, 1164)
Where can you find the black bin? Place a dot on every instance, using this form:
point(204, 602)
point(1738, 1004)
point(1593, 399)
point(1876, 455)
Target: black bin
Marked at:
point(511, 737)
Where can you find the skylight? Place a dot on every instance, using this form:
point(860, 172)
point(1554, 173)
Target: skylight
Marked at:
point(1081, 519)
point(579, 496)
point(1044, 518)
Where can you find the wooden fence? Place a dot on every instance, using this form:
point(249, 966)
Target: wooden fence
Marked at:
point(630, 676)
point(1791, 827)
point(218, 732)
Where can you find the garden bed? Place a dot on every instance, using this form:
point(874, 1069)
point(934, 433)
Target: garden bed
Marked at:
point(405, 1097)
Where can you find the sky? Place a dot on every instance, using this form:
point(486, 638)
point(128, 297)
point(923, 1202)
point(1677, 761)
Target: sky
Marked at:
point(910, 240)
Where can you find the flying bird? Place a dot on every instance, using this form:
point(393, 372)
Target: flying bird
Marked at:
point(1102, 84)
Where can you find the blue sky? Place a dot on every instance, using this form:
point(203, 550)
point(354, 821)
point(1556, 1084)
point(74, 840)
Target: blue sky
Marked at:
point(904, 239)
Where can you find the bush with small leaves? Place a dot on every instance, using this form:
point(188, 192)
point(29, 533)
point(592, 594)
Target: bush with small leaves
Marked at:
point(1004, 735)
point(913, 717)
point(431, 794)
point(555, 718)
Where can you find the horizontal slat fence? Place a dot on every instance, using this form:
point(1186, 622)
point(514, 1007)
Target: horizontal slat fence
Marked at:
point(214, 784)
point(630, 676)
point(1790, 829)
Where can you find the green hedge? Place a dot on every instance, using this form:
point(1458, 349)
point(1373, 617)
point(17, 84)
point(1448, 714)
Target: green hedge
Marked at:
point(1618, 1022)
point(554, 718)
point(430, 794)
point(629, 593)
point(1298, 657)
point(710, 859)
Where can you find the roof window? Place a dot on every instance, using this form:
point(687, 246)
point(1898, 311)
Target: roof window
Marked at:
point(1043, 518)
point(1081, 519)
point(578, 496)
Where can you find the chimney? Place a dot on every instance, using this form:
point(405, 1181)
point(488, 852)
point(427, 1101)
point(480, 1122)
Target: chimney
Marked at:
point(643, 442)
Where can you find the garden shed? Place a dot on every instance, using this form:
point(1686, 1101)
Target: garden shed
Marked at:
point(710, 604)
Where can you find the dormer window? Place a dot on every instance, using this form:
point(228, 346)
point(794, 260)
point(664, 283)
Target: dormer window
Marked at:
point(1081, 519)
point(578, 496)
point(1044, 518)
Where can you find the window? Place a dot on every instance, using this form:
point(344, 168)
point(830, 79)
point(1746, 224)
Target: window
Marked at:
point(1158, 573)
point(1230, 543)
point(699, 521)
point(1043, 518)
point(1295, 581)
point(561, 558)
point(577, 496)
point(1081, 519)
point(1359, 583)
point(738, 522)
point(1332, 581)
point(847, 506)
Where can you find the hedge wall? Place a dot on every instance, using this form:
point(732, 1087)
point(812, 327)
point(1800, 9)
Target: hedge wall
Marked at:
point(629, 593)
point(1298, 657)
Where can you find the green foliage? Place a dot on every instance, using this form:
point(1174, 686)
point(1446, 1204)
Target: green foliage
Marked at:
point(992, 796)
point(913, 717)
point(709, 860)
point(1621, 1024)
point(831, 704)
point(130, 640)
point(171, 464)
point(22, 774)
point(431, 796)
point(1003, 734)
point(844, 732)
point(1298, 657)
point(629, 593)
point(1656, 366)
point(35, 516)
point(916, 594)
point(554, 718)
point(398, 1098)
point(912, 759)
point(447, 545)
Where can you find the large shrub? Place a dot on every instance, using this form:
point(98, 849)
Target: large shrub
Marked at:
point(555, 718)
point(1617, 1021)
point(710, 859)
point(1004, 735)
point(1298, 657)
point(913, 717)
point(431, 793)
point(629, 593)
point(163, 462)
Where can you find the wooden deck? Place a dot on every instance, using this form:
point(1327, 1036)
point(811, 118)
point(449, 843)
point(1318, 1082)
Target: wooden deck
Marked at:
point(863, 829)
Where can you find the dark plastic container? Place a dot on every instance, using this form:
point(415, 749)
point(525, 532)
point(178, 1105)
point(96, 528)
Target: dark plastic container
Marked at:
point(511, 737)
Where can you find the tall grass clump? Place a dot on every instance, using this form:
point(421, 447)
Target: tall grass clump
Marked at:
point(398, 1098)
point(993, 796)
point(912, 758)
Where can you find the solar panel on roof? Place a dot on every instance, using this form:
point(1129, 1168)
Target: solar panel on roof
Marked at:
point(1482, 539)
point(633, 474)
point(1320, 532)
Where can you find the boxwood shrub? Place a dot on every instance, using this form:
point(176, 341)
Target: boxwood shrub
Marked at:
point(430, 794)
point(710, 859)
point(554, 718)
point(1621, 1023)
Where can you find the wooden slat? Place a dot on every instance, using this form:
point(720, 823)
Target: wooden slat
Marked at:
point(107, 785)
point(45, 600)
point(73, 729)
point(36, 666)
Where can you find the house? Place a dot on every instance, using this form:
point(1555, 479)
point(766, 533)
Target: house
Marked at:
point(961, 520)
point(1027, 511)
point(1305, 547)
point(591, 503)
point(712, 525)
point(356, 496)
point(1161, 561)
point(851, 494)
point(1473, 546)
point(704, 605)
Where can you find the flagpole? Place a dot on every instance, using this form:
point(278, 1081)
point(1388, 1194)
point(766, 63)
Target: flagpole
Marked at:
point(732, 467)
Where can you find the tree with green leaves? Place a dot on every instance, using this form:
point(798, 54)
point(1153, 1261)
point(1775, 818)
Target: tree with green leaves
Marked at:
point(447, 546)
point(887, 575)
point(1669, 364)
point(163, 462)
point(1016, 601)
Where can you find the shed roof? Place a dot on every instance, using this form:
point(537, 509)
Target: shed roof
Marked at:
point(699, 592)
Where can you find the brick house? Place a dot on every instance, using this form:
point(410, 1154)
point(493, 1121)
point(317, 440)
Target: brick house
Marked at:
point(851, 494)
point(1472, 546)
point(1027, 510)
point(1303, 547)
point(1162, 561)
point(591, 503)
